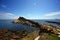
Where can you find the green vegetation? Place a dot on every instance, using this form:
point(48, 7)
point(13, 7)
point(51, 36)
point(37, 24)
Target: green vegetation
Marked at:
point(54, 37)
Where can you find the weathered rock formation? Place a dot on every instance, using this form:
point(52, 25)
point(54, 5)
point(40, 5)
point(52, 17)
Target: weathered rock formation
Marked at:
point(14, 35)
point(42, 27)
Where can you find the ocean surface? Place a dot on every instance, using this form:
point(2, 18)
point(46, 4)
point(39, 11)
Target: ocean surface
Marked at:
point(7, 24)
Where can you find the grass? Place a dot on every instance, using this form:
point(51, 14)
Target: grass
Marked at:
point(54, 37)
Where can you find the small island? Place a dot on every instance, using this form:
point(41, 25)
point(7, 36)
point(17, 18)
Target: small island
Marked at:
point(53, 22)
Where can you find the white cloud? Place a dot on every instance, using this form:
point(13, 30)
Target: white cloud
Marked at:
point(31, 16)
point(52, 14)
point(7, 16)
point(4, 6)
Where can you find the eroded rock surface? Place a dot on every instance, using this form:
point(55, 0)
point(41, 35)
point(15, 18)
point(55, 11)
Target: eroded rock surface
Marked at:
point(14, 35)
point(42, 27)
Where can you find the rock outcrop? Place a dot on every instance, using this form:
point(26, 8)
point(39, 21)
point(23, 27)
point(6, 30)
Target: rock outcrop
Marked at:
point(42, 27)
point(14, 35)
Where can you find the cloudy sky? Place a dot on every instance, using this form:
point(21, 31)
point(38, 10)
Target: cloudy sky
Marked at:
point(32, 9)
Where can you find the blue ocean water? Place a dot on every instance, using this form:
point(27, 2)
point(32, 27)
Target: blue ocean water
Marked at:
point(44, 22)
point(7, 24)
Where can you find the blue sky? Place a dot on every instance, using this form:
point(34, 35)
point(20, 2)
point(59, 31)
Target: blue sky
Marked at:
point(31, 9)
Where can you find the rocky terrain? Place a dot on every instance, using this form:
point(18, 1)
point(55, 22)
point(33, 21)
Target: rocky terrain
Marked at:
point(17, 35)
point(42, 27)
point(45, 32)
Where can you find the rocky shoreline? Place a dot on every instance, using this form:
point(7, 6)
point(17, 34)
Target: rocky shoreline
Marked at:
point(41, 34)
point(42, 27)
point(14, 35)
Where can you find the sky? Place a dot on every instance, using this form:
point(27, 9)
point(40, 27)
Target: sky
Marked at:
point(30, 9)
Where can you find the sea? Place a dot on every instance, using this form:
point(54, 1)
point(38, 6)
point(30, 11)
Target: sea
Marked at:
point(7, 24)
